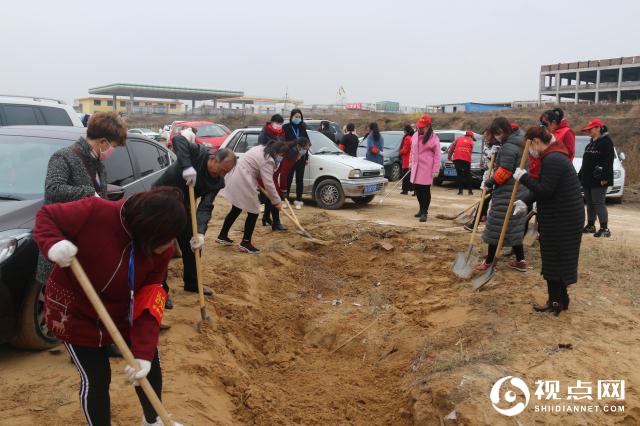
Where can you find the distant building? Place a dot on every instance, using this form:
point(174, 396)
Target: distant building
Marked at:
point(387, 106)
point(604, 80)
point(472, 107)
point(93, 104)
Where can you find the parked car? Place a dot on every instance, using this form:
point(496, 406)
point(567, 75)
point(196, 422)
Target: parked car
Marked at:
point(391, 153)
point(24, 155)
point(207, 133)
point(330, 175)
point(146, 132)
point(315, 125)
point(30, 111)
point(615, 193)
point(447, 168)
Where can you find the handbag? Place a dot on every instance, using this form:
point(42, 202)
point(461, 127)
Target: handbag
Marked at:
point(597, 172)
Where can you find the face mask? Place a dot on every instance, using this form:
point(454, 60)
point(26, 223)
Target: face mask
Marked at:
point(498, 138)
point(303, 152)
point(276, 126)
point(104, 155)
point(533, 153)
point(278, 160)
point(296, 120)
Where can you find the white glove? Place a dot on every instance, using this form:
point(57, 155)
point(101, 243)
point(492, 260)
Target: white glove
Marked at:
point(189, 175)
point(96, 195)
point(62, 252)
point(535, 206)
point(197, 243)
point(495, 149)
point(189, 135)
point(519, 208)
point(135, 375)
point(519, 173)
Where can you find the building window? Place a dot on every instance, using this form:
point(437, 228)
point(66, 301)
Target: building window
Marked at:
point(136, 104)
point(123, 104)
point(172, 106)
point(97, 102)
point(109, 103)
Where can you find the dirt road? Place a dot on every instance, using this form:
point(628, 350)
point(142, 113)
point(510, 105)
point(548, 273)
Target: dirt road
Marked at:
point(429, 346)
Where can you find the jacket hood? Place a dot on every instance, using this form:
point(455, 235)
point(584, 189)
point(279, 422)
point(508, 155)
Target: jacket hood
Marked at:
point(563, 123)
point(556, 147)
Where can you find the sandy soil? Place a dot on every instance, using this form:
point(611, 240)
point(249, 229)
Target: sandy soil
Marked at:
point(427, 346)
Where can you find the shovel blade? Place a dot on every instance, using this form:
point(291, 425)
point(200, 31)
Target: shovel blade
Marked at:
point(462, 219)
point(485, 277)
point(532, 235)
point(462, 265)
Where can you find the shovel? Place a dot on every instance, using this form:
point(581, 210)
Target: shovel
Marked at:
point(117, 338)
point(463, 215)
point(532, 234)
point(487, 275)
point(194, 229)
point(394, 187)
point(462, 264)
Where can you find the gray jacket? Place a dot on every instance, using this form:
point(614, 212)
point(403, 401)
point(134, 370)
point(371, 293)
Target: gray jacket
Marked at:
point(508, 158)
point(73, 173)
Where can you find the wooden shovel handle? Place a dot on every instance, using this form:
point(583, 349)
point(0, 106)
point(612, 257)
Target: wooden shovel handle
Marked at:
point(505, 225)
point(481, 204)
point(194, 231)
point(117, 338)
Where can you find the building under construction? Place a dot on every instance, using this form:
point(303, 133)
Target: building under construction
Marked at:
point(606, 80)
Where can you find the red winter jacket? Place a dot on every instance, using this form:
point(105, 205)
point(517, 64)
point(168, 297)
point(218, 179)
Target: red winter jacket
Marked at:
point(462, 149)
point(95, 226)
point(563, 134)
point(405, 151)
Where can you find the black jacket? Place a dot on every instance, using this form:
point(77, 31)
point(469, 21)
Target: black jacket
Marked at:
point(289, 134)
point(207, 186)
point(350, 142)
point(560, 214)
point(330, 134)
point(598, 153)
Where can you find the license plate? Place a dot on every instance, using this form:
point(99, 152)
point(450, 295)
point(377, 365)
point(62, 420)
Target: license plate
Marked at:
point(450, 172)
point(370, 188)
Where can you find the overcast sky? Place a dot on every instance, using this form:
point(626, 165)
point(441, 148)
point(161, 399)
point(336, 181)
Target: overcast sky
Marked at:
point(415, 52)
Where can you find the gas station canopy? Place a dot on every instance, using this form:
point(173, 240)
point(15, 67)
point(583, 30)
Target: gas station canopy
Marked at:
point(163, 92)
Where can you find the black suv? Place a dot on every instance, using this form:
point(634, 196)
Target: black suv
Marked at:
point(24, 155)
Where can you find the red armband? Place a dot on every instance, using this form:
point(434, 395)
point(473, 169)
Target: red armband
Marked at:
point(502, 175)
point(375, 149)
point(342, 147)
point(152, 298)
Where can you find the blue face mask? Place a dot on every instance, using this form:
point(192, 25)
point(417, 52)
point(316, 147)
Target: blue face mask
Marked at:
point(296, 120)
point(278, 160)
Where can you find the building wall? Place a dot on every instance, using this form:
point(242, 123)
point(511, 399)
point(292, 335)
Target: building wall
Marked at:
point(94, 104)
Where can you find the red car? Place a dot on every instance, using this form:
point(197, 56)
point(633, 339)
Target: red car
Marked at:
point(207, 133)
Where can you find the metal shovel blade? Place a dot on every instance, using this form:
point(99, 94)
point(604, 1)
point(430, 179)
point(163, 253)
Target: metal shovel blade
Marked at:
point(462, 264)
point(204, 319)
point(485, 277)
point(464, 218)
point(532, 235)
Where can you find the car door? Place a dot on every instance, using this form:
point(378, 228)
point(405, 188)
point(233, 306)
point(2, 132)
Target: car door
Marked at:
point(119, 170)
point(149, 160)
point(244, 143)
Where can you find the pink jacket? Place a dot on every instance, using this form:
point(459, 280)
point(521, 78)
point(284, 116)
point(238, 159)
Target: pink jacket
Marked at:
point(241, 184)
point(425, 159)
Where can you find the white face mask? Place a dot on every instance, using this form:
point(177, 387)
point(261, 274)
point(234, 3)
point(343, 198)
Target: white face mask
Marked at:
point(533, 153)
point(276, 126)
point(303, 152)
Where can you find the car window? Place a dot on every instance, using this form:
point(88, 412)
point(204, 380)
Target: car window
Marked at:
point(147, 156)
point(20, 115)
point(23, 164)
point(320, 144)
point(55, 116)
point(118, 167)
point(136, 131)
point(392, 141)
point(246, 142)
point(446, 137)
point(210, 131)
point(312, 126)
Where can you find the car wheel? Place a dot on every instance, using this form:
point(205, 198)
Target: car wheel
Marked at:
point(363, 200)
point(329, 194)
point(396, 172)
point(34, 333)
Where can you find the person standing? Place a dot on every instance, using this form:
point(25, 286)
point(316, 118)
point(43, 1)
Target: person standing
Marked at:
point(554, 120)
point(349, 142)
point(557, 192)
point(294, 129)
point(196, 166)
point(501, 184)
point(240, 191)
point(325, 129)
point(375, 144)
point(272, 131)
point(405, 154)
point(124, 247)
point(596, 176)
point(460, 153)
point(424, 163)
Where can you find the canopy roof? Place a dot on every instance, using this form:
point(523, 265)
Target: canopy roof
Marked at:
point(162, 92)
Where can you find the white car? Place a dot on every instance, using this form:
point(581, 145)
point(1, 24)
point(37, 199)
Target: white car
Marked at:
point(330, 176)
point(146, 132)
point(33, 111)
point(615, 192)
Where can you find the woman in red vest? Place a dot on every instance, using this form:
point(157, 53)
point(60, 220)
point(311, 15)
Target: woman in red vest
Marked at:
point(460, 152)
point(125, 248)
point(405, 153)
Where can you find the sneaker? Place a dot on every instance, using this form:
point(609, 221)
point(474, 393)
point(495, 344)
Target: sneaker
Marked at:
point(225, 241)
point(423, 217)
point(168, 304)
point(589, 229)
point(483, 266)
point(404, 193)
point(460, 193)
point(279, 227)
point(298, 205)
point(247, 247)
point(418, 214)
point(602, 232)
point(519, 266)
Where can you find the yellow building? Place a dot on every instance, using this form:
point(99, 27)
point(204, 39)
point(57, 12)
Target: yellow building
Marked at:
point(93, 104)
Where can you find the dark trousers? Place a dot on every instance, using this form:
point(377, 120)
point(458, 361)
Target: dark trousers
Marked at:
point(518, 250)
point(406, 180)
point(269, 210)
point(298, 171)
point(596, 206)
point(189, 277)
point(249, 224)
point(423, 194)
point(463, 174)
point(95, 378)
